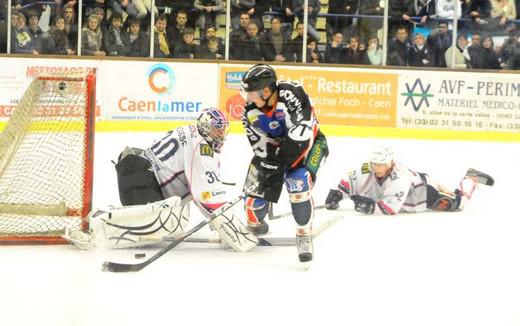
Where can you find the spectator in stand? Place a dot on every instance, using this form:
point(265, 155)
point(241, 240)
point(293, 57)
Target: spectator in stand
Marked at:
point(187, 47)
point(210, 49)
point(398, 48)
point(211, 32)
point(508, 47)
point(71, 26)
point(162, 43)
point(139, 40)
point(513, 62)
point(21, 40)
point(238, 35)
point(420, 55)
point(424, 9)
point(313, 55)
point(355, 52)
point(400, 13)
point(370, 25)
point(122, 6)
point(475, 51)
point(238, 8)
point(24, 6)
point(100, 14)
point(517, 5)
point(480, 11)
point(374, 51)
point(56, 41)
point(285, 8)
point(175, 31)
point(334, 48)
point(3, 27)
point(342, 25)
point(275, 44)
point(143, 8)
point(35, 30)
point(445, 9)
point(250, 45)
point(92, 38)
point(461, 54)
point(208, 10)
point(439, 41)
point(502, 12)
point(297, 44)
point(261, 7)
point(489, 56)
point(314, 8)
point(115, 40)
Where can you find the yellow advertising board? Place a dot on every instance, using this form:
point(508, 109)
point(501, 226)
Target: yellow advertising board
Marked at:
point(339, 96)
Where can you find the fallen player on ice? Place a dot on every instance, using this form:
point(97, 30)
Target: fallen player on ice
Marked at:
point(384, 186)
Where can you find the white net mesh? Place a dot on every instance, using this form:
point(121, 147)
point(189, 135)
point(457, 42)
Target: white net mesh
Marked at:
point(42, 158)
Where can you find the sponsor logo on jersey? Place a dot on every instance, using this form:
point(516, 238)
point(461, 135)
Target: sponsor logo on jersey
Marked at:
point(218, 192)
point(268, 166)
point(274, 124)
point(206, 195)
point(206, 150)
point(279, 114)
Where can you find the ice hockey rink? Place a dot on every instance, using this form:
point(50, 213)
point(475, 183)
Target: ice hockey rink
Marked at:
point(449, 269)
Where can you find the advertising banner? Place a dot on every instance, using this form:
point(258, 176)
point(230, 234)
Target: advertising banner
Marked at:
point(16, 74)
point(340, 96)
point(145, 90)
point(459, 101)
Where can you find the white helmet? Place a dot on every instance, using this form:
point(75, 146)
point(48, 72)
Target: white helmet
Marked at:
point(381, 155)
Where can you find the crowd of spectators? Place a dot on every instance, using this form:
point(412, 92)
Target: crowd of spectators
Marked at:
point(420, 32)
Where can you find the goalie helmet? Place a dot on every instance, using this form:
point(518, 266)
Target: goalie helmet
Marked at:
point(213, 126)
point(258, 77)
point(381, 155)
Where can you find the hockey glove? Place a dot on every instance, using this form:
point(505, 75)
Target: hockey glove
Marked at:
point(333, 199)
point(363, 204)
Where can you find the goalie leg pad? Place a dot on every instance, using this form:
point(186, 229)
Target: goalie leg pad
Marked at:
point(232, 231)
point(298, 184)
point(140, 225)
point(136, 180)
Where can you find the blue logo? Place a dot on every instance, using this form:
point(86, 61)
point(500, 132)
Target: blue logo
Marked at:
point(234, 79)
point(161, 79)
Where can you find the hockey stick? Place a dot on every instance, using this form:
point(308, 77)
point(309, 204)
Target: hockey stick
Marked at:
point(271, 241)
point(109, 266)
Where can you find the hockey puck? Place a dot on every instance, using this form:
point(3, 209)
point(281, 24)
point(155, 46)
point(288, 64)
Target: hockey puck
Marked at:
point(140, 255)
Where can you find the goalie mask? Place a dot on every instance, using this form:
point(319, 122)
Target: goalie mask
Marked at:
point(213, 126)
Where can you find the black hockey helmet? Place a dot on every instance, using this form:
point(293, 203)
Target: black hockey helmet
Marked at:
point(258, 77)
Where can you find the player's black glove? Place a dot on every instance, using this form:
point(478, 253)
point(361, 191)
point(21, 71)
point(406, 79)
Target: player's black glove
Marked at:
point(333, 199)
point(363, 204)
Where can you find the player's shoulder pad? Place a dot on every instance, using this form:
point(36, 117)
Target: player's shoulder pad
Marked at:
point(205, 150)
point(365, 168)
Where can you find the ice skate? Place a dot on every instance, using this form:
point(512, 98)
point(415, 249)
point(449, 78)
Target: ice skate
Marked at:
point(258, 229)
point(304, 245)
point(480, 177)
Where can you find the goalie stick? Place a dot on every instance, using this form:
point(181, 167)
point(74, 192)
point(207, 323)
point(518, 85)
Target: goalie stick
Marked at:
point(109, 266)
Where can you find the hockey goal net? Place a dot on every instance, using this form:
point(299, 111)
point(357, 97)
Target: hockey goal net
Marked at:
point(46, 158)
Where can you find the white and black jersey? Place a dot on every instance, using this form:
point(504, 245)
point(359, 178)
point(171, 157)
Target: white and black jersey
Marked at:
point(185, 165)
point(402, 190)
point(287, 130)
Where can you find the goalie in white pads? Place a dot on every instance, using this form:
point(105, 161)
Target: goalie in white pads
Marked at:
point(384, 186)
point(158, 183)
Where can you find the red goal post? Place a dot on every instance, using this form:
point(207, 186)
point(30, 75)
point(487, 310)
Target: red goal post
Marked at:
point(46, 158)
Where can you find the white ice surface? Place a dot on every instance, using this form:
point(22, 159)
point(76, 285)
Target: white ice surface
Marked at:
point(438, 269)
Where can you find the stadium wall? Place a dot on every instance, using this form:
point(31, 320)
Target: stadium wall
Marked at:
point(149, 95)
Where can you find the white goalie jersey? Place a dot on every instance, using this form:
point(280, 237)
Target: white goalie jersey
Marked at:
point(403, 190)
point(185, 165)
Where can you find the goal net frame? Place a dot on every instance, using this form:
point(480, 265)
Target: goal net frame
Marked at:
point(39, 210)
